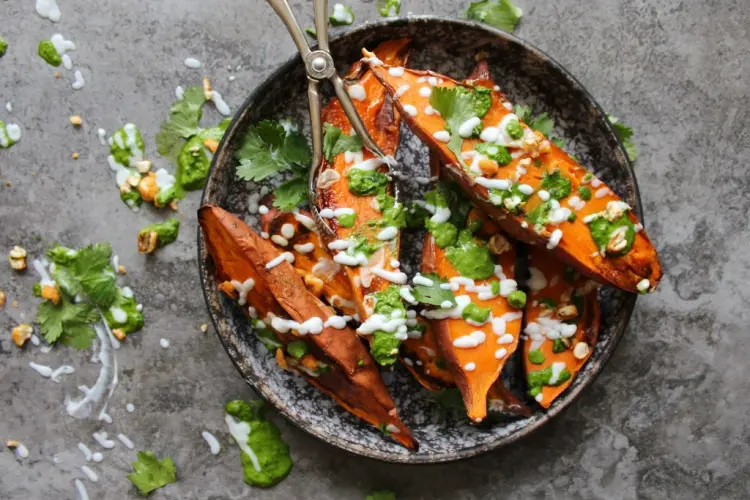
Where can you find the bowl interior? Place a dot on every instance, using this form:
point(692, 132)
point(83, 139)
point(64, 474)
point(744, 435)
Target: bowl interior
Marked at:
point(447, 46)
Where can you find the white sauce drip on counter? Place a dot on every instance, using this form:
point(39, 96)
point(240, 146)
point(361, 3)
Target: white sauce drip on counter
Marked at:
point(213, 443)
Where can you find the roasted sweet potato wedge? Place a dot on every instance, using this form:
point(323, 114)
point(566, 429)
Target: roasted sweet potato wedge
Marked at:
point(323, 277)
point(533, 189)
point(354, 193)
point(477, 335)
point(423, 358)
point(562, 325)
point(326, 352)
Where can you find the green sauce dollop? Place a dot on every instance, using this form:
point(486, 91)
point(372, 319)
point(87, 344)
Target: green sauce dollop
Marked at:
point(48, 52)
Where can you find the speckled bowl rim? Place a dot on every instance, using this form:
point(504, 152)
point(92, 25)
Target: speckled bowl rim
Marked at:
point(571, 394)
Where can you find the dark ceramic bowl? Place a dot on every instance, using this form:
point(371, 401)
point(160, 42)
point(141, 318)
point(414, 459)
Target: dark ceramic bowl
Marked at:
point(447, 46)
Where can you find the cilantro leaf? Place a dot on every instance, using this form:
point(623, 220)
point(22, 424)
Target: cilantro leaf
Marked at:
point(455, 107)
point(381, 495)
point(67, 322)
point(386, 6)
point(336, 141)
point(91, 267)
point(434, 295)
point(184, 117)
point(150, 473)
point(290, 194)
point(78, 336)
point(500, 14)
point(523, 112)
point(625, 134)
point(542, 123)
point(271, 147)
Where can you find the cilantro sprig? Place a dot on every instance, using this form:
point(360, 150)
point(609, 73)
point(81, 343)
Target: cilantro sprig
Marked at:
point(335, 141)
point(625, 134)
point(457, 105)
point(183, 123)
point(150, 473)
point(271, 147)
point(87, 290)
point(501, 14)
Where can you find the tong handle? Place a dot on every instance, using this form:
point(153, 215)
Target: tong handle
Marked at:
point(321, 23)
point(285, 13)
point(351, 112)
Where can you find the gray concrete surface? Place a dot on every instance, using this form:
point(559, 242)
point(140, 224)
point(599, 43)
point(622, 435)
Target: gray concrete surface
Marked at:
point(668, 418)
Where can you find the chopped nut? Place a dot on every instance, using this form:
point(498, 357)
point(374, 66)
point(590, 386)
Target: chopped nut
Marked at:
point(119, 334)
point(207, 90)
point(148, 187)
point(544, 147)
point(499, 244)
point(143, 166)
point(581, 350)
point(173, 205)
point(281, 359)
point(314, 284)
point(309, 361)
point(75, 156)
point(57, 74)
point(211, 145)
point(147, 242)
point(17, 258)
point(204, 327)
point(2, 299)
point(125, 188)
point(328, 178)
point(566, 312)
point(51, 293)
point(488, 167)
point(76, 120)
point(22, 333)
point(121, 269)
point(14, 304)
point(12, 444)
point(615, 210)
point(618, 240)
point(566, 341)
point(133, 180)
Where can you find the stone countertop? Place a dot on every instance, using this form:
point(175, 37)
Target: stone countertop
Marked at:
point(665, 419)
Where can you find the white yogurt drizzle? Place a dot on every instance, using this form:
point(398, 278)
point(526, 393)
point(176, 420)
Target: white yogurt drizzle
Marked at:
point(48, 9)
point(240, 431)
point(213, 443)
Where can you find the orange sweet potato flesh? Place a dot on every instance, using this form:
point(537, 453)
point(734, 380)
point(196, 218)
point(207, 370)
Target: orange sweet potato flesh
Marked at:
point(559, 290)
point(577, 247)
point(425, 360)
point(311, 258)
point(354, 380)
point(474, 384)
point(382, 122)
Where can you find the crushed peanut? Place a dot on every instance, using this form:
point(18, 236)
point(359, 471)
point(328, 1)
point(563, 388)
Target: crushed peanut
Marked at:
point(2, 298)
point(173, 205)
point(499, 244)
point(76, 120)
point(147, 242)
point(121, 269)
point(566, 312)
point(314, 284)
point(204, 327)
point(57, 75)
point(143, 166)
point(22, 333)
point(147, 187)
point(17, 258)
point(51, 293)
point(75, 156)
point(581, 350)
point(12, 444)
point(618, 241)
point(119, 334)
point(207, 90)
point(133, 180)
point(211, 144)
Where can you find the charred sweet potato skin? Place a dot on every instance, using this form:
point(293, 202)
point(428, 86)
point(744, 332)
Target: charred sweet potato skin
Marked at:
point(354, 381)
point(576, 247)
point(560, 290)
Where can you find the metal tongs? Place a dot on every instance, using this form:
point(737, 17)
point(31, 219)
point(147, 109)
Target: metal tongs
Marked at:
point(319, 66)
